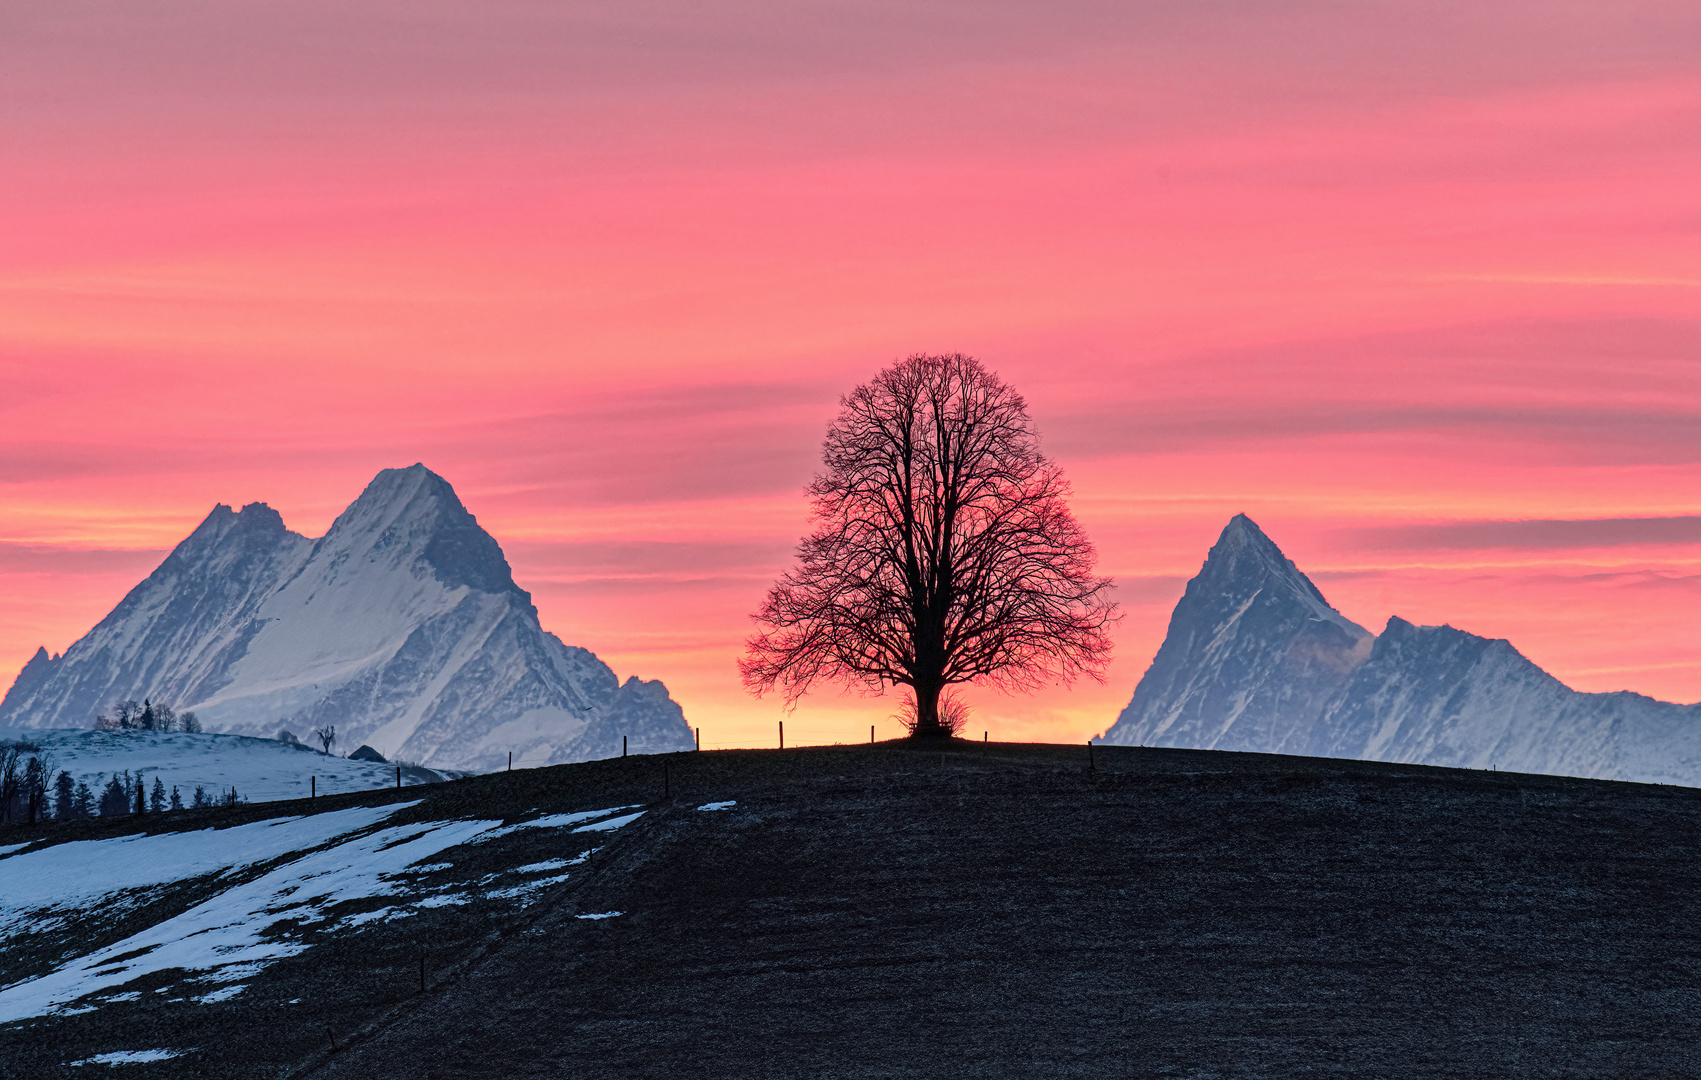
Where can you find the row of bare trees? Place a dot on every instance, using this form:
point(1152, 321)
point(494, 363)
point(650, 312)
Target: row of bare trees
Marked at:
point(128, 714)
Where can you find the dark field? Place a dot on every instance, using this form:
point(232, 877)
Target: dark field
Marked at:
point(1003, 911)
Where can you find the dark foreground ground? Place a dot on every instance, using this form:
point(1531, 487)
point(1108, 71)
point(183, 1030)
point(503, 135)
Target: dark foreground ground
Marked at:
point(1005, 911)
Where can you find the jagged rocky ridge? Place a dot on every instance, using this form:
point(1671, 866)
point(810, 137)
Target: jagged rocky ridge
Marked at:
point(402, 626)
point(1257, 660)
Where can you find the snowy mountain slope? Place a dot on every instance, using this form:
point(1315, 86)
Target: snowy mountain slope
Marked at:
point(402, 626)
point(259, 769)
point(1256, 660)
point(182, 627)
point(1253, 652)
point(1440, 696)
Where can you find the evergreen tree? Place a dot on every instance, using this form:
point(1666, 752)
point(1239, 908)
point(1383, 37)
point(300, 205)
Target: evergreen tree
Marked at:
point(64, 801)
point(156, 801)
point(35, 790)
point(200, 798)
point(176, 799)
point(82, 803)
point(115, 800)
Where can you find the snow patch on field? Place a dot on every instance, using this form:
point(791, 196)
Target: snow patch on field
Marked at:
point(45, 887)
point(227, 934)
point(540, 867)
point(611, 824)
point(529, 888)
point(130, 1057)
point(728, 805)
point(223, 994)
point(233, 936)
point(560, 821)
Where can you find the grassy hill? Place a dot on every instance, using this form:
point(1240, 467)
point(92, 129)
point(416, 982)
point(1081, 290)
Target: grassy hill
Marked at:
point(894, 911)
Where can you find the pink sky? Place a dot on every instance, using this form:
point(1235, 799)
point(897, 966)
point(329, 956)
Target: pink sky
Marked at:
point(1384, 276)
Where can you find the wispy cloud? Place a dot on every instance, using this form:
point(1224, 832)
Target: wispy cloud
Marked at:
point(1536, 535)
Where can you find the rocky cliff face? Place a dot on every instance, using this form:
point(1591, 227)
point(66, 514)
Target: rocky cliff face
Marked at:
point(1256, 660)
point(402, 626)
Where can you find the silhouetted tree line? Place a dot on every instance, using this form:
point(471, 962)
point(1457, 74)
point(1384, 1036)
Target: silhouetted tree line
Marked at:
point(27, 798)
point(129, 714)
point(24, 769)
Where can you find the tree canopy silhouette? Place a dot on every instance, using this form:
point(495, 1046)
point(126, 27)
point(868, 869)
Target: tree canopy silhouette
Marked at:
point(943, 551)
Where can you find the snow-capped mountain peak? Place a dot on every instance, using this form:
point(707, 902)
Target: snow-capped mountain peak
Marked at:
point(1244, 560)
point(1257, 660)
point(402, 626)
point(1252, 646)
point(412, 514)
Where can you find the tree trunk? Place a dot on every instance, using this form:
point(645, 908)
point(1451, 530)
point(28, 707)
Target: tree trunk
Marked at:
point(927, 725)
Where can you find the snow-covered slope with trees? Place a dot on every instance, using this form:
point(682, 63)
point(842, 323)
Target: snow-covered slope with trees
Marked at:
point(1257, 660)
point(402, 626)
point(260, 770)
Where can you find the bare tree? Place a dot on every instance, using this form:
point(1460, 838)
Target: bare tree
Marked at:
point(127, 713)
point(11, 777)
point(943, 551)
point(165, 718)
point(327, 736)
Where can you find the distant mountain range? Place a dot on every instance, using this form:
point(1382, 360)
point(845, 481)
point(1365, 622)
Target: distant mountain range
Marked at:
point(1257, 660)
point(402, 626)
